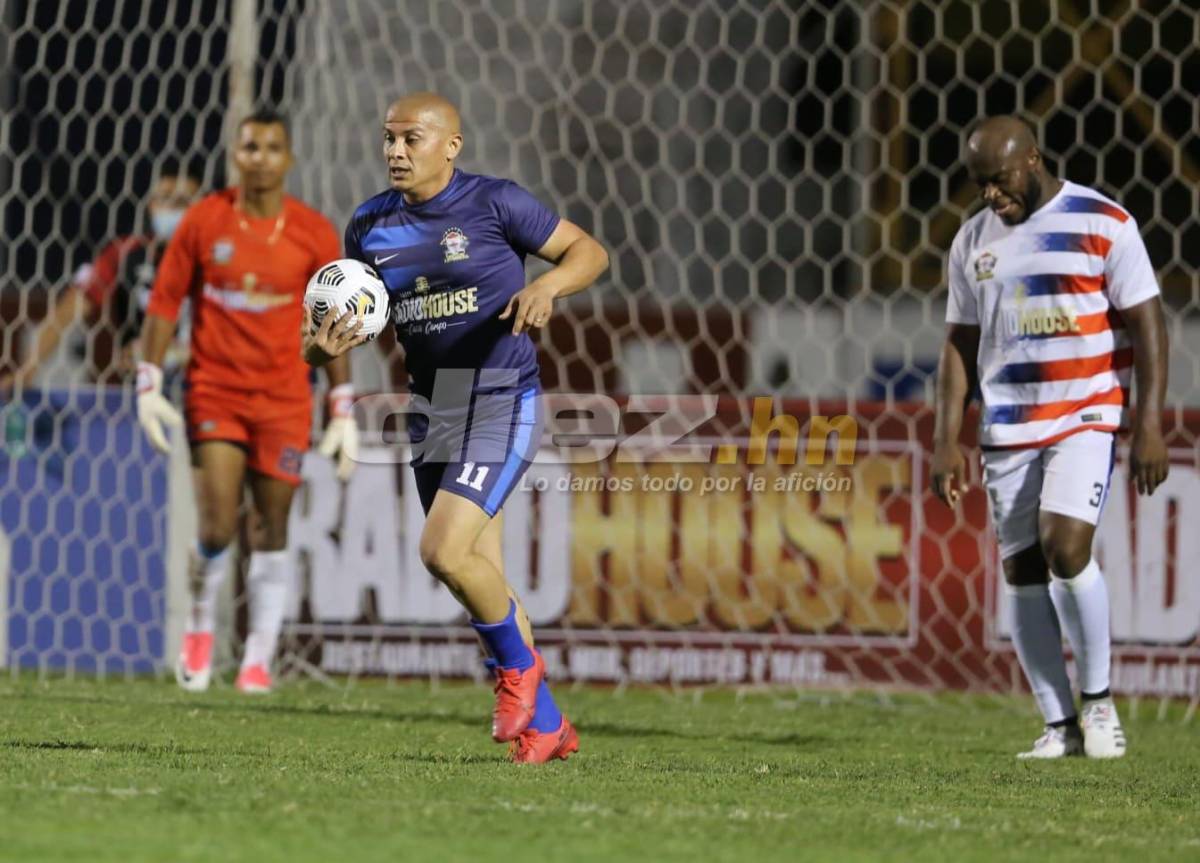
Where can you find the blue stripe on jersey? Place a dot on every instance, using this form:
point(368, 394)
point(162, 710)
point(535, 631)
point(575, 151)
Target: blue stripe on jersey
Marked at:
point(1019, 373)
point(1066, 242)
point(1080, 204)
point(525, 425)
point(1005, 414)
point(1045, 284)
point(1042, 285)
point(393, 236)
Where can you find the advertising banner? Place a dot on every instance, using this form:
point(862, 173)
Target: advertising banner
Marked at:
point(772, 562)
point(82, 535)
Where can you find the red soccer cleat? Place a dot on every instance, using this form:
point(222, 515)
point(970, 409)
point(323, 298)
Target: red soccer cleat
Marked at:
point(193, 668)
point(254, 680)
point(516, 699)
point(534, 747)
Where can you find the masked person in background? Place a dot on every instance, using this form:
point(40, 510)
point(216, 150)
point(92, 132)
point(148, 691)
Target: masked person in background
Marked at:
point(109, 295)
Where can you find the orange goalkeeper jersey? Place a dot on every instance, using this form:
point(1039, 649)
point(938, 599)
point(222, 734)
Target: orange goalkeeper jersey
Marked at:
point(246, 279)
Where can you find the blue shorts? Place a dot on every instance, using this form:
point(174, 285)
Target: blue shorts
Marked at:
point(481, 457)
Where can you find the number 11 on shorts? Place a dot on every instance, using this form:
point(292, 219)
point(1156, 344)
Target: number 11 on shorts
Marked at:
point(480, 475)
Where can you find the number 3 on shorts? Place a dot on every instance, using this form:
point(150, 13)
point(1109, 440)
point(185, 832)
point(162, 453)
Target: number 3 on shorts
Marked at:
point(1097, 493)
point(480, 475)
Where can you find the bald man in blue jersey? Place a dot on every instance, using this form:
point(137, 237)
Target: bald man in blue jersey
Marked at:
point(451, 247)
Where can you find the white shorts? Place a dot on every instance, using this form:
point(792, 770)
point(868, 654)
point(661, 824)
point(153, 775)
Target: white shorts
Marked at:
point(1069, 477)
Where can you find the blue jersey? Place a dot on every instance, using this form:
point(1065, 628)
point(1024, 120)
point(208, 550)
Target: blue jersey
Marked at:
point(451, 264)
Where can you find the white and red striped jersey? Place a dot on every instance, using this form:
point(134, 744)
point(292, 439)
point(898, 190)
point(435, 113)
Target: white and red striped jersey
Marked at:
point(1054, 356)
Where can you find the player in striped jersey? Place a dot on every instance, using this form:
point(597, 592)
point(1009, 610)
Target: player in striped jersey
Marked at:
point(1053, 308)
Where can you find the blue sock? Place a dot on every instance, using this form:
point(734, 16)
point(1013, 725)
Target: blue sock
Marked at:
point(504, 641)
point(546, 715)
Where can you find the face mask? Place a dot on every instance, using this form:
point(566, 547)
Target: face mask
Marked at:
point(164, 222)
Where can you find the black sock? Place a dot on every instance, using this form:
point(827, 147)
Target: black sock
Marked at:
point(1095, 696)
point(1064, 723)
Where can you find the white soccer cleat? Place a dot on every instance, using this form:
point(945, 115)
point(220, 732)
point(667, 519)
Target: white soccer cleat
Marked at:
point(254, 680)
point(1103, 736)
point(1059, 742)
point(193, 668)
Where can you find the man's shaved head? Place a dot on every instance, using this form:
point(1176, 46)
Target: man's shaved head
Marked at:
point(1003, 159)
point(421, 140)
point(998, 137)
point(431, 108)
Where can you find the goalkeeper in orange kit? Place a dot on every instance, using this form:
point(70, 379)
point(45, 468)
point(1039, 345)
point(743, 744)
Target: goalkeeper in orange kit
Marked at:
point(244, 256)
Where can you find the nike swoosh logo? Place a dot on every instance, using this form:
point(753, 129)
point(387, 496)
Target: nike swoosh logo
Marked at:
point(379, 260)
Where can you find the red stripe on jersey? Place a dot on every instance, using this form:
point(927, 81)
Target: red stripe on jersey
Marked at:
point(1080, 284)
point(1111, 211)
point(1095, 244)
point(1057, 410)
point(1084, 367)
point(1100, 322)
point(1087, 204)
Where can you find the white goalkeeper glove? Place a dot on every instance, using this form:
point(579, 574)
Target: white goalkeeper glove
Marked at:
point(341, 435)
point(153, 410)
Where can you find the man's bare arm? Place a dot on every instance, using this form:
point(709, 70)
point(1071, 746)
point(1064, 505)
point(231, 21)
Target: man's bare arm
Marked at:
point(1148, 459)
point(957, 374)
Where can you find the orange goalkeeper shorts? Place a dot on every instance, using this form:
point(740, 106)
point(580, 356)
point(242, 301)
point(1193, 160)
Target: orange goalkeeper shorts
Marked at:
point(274, 432)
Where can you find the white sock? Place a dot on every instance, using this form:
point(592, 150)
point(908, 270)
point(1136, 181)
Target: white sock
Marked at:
point(1082, 605)
point(208, 573)
point(1039, 647)
point(267, 585)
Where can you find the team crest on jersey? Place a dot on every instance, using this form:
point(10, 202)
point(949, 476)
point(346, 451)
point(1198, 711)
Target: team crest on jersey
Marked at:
point(222, 251)
point(454, 241)
point(985, 264)
point(421, 285)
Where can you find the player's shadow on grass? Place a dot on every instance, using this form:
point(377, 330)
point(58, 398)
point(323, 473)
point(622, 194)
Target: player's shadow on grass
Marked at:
point(463, 758)
point(332, 712)
point(467, 720)
point(189, 703)
point(801, 740)
point(624, 730)
point(156, 749)
point(472, 720)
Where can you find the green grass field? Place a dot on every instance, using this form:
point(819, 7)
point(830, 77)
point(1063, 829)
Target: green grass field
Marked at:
point(114, 770)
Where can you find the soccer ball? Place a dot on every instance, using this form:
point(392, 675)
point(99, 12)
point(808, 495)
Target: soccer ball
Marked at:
point(348, 285)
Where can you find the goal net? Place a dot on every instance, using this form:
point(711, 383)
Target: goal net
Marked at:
point(777, 184)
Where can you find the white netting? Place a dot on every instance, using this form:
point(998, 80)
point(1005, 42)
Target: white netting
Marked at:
point(96, 97)
point(778, 184)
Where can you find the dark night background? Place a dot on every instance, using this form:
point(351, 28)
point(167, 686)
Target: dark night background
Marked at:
point(97, 94)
